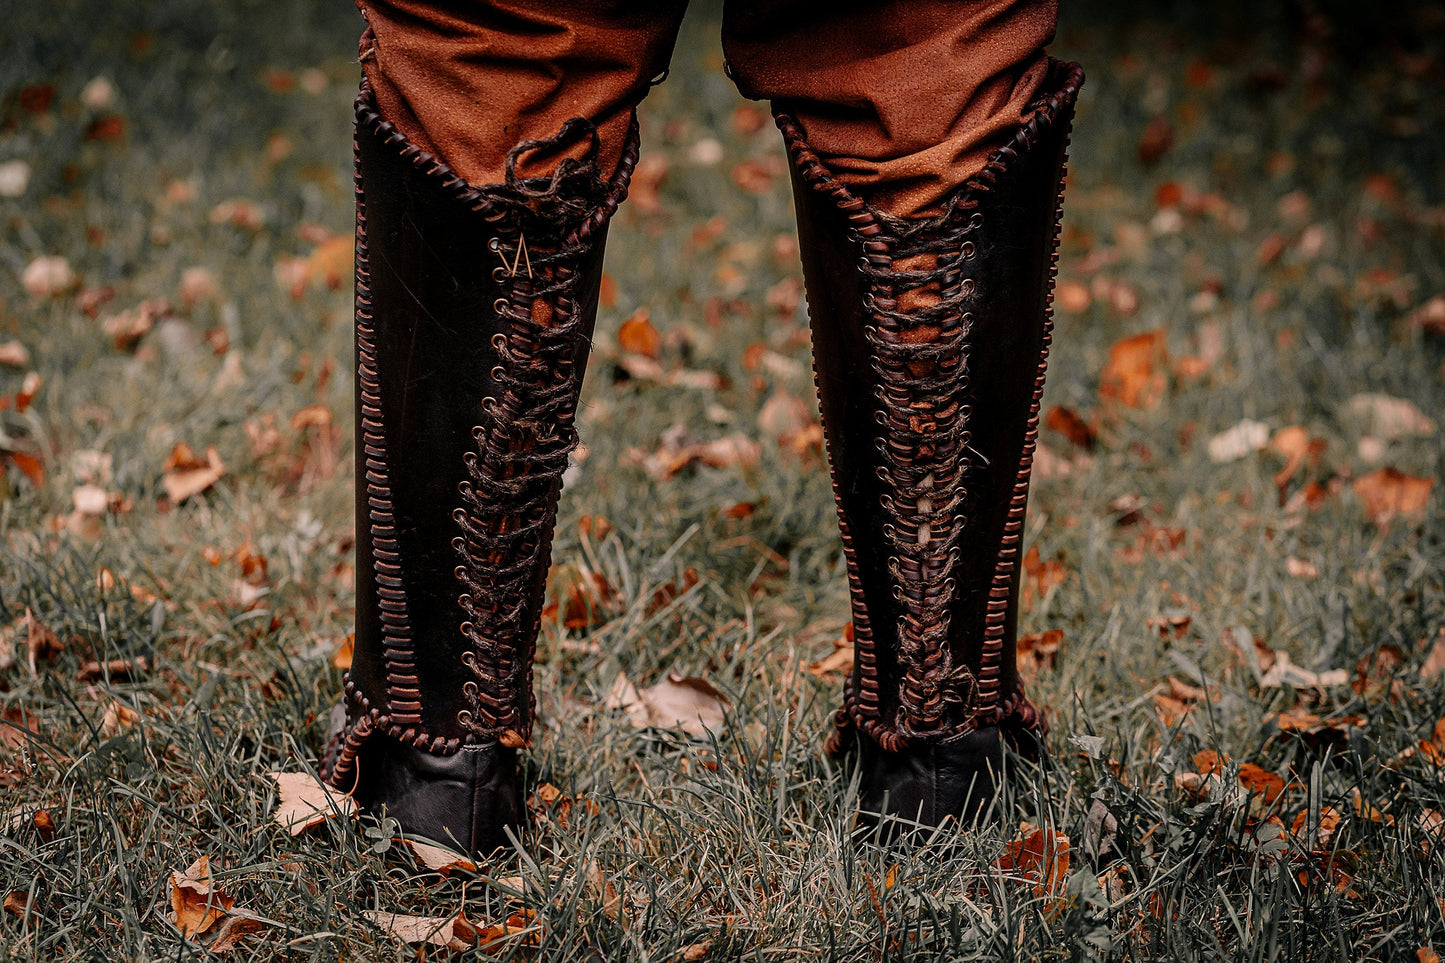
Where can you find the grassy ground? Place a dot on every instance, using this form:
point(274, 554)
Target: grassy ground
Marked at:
point(1285, 245)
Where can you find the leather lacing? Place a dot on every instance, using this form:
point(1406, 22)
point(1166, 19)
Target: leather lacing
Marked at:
point(541, 228)
point(920, 358)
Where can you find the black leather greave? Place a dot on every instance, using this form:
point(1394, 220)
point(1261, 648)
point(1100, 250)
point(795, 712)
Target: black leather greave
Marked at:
point(948, 322)
point(474, 314)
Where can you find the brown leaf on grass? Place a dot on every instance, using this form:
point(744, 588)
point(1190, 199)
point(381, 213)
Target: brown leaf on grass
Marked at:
point(1434, 663)
point(753, 176)
point(689, 703)
point(840, 660)
point(602, 889)
point(1171, 711)
point(1157, 139)
point(1426, 954)
point(638, 336)
point(1388, 492)
point(1209, 762)
point(1257, 779)
point(1389, 418)
point(1037, 652)
point(17, 727)
point(747, 119)
point(20, 902)
point(1368, 811)
point(1041, 858)
point(433, 930)
point(584, 598)
point(118, 717)
point(127, 328)
point(1320, 839)
point(1430, 316)
point(1040, 576)
point(29, 388)
point(1072, 297)
point(341, 655)
point(1232, 444)
point(647, 178)
point(14, 354)
point(196, 904)
point(1067, 422)
point(306, 802)
point(47, 277)
point(439, 858)
point(187, 475)
point(41, 644)
point(685, 702)
point(30, 463)
point(1134, 375)
point(1376, 670)
point(1285, 672)
point(783, 414)
point(1301, 568)
point(233, 930)
point(697, 951)
point(113, 669)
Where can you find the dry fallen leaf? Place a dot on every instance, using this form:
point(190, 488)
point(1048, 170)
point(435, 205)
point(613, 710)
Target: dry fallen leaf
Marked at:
point(1300, 567)
point(41, 644)
point(638, 336)
point(187, 475)
point(1285, 672)
point(18, 902)
point(195, 903)
point(439, 858)
point(1434, 663)
point(1388, 492)
point(1329, 822)
point(118, 717)
point(306, 802)
point(840, 660)
point(1041, 858)
point(1257, 779)
point(1389, 418)
point(688, 703)
point(13, 353)
point(1134, 374)
point(116, 670)
point(341, 657)
point(1235, 443)
point(233, 930)
point(46, 277)
point(436, 930)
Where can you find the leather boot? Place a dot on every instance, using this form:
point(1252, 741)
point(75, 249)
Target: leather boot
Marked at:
point(474, 313)
point(930, 339)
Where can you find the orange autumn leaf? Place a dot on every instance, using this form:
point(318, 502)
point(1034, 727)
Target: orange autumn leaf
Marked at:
point(197, 905)
point(1134, 374)
point(187, 475)
point(1257, 779)
point(1040, 858)
point(1388, 492)
point(1067, 422)
point(638, 336)
point(1040, 576)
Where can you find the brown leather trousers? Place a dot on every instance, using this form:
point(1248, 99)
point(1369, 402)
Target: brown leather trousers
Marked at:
point(902, 100)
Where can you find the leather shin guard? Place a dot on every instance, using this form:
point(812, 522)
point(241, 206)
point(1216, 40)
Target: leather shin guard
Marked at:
point(948, 321)
point(474, 313)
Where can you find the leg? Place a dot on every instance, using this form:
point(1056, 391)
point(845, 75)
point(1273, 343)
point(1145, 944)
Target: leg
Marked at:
point(947, 318)
point(474, 310)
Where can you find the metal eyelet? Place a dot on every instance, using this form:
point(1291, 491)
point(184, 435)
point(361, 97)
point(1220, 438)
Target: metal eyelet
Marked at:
point(460, 572)
point(499, 341)
point(465, 487)
point(470, 690)
point(975, 222)
point(497, 373)
point(500, 273)
point(500, 305)
point(459, 544)
point(459, 515)
point(489, 404)
point(968, 250)
point(967, 287)
point(469, 659)
point(495, 244)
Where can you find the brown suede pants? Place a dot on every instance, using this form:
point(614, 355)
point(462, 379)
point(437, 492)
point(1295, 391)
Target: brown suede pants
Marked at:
point(902, 99)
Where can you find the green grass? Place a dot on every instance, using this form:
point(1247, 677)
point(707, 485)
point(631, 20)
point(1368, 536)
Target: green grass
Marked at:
point(740, 841)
